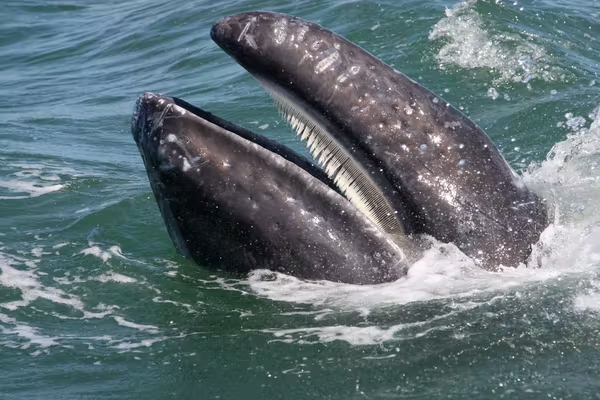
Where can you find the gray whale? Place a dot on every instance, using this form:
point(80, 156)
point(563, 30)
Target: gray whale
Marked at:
point(396, 162)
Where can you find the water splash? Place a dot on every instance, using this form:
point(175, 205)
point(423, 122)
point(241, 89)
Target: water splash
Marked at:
point(31, 180)
point(32, 289)
point(468, 41)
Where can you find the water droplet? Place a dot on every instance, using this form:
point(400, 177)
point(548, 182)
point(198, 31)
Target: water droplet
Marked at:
point(493, 93)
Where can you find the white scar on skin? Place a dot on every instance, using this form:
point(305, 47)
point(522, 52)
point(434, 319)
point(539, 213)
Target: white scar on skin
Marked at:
point(244, 32)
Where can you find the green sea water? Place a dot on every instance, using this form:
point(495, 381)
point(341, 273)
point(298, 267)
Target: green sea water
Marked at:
point(95, 303)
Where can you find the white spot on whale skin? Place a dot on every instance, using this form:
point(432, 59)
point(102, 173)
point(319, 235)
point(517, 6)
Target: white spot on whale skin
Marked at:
point(302, 31)
point(171, 138)
point(186, 165)
point(280, 31)
point(327, 62)
point(316, 44)
point(342, 78)
point(452, 124)
point(435, 139)
point(305, 57)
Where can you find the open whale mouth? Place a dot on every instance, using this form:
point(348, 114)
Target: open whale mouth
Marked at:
point(151, 111)
point(336, 164)
point(407, 161)
point(231, 198)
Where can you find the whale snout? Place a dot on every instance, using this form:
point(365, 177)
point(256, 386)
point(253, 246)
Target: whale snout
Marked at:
point(252, 32)
point(149, 112)
point(158, 145)
point(221, 29)
point(227, 31)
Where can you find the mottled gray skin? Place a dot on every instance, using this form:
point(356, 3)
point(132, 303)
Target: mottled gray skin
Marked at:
point(230, 201)
point(451, 180)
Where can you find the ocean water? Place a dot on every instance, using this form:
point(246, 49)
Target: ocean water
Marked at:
point(96, 303)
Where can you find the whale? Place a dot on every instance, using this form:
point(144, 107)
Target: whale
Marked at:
point(237, 201)
point(394, 165)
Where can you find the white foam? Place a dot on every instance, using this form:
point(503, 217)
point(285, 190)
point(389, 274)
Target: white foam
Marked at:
point(123, 322)
point(32, 189)
point(115, 277)
point(443, 273)
point(31, 334)
point(142, 343)
point(116, 250)
point(588, 300)
point(97, 252)
point(24, 275)
point(33, 180)
point(102, 310)
point(188, 307)
point(39, 252)
point(355, 335)
point(470, 42)
point(27, 281)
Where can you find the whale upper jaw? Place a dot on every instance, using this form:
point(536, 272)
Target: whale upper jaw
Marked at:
point(403, 150)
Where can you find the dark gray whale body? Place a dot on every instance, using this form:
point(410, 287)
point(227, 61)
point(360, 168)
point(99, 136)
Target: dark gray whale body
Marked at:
point(406, 162)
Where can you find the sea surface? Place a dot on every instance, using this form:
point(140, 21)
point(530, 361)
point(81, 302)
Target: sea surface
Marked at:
point(95, 303)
